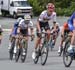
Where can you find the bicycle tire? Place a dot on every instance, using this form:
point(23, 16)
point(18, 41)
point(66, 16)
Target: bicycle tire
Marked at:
point(24, 46)
point(61, 51)
point(66, 54)
point(37, 56)
point(42, 53)
point(17, 55)
point(12, 49)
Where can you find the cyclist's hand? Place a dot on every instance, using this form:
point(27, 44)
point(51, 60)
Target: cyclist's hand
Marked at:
point(39, 31)
point(45, 19)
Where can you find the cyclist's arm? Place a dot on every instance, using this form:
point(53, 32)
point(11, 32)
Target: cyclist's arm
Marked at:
point(12, 28)
point(62, 31)
point(19, 27)
point(74, 23)
point(54, 18)
point(31, 27)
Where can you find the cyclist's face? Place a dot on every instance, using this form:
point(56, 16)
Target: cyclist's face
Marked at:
point(50, 11)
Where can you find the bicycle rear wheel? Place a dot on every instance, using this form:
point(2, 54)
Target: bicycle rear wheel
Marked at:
point(44, 53)
point(67, 58)
point(24, 50)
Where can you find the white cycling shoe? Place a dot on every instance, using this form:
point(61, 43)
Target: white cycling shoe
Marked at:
point(15, 49)
point(70, 49)
point(9, 47)
point(33, 55)
point(59, 50)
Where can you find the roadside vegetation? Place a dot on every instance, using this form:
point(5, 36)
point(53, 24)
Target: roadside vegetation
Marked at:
point(63, 7)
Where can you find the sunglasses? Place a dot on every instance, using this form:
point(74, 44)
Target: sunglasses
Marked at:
point(50, 7)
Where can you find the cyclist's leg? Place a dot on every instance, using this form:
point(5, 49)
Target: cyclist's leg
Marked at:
point(17, 41)
point(38, 40)
point(48, 36)
point(47, 28)
point(72, 28)
point(10, 40)
point(62, 40)
point(54, 37)
point(61, 44)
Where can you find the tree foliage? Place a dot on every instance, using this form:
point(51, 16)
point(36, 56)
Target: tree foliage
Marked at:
point(63, 7)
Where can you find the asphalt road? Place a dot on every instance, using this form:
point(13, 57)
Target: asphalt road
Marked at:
point(54, 62)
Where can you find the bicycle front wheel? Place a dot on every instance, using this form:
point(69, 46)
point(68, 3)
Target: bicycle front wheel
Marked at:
point(44, 54)
point(67, 58)
point(24, 51)
point(17, 55)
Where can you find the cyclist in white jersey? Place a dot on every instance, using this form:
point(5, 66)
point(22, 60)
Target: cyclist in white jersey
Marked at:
point(24, 25)
point(43, 19)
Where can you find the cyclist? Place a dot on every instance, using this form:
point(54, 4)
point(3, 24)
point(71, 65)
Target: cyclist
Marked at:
point(24, 25)
point(1, 33)
point(14, 32)
point(65, 29)
point(55, 31)
point(71, 25)
point(43, 19)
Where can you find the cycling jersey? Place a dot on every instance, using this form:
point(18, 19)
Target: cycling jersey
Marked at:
point(15, 28)
point(70, 22)
point(24, 27)
point(45, 15)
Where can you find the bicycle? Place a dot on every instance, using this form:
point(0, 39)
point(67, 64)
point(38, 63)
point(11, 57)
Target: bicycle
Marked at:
point(11, 51)
point(64, 39)
point(42, 51)
point(68, 57)
point(22, 46)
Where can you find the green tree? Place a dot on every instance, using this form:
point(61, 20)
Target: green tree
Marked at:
point(63, 7)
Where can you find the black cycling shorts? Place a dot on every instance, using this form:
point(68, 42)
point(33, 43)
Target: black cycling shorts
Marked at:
point(44, 25)
point(65, 32)
point(24, 32)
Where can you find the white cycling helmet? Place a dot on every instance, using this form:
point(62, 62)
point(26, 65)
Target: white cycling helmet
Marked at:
point(27, 17)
